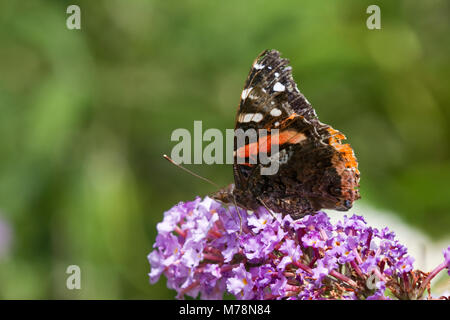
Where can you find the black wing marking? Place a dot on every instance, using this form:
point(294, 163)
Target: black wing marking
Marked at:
point(270, 92)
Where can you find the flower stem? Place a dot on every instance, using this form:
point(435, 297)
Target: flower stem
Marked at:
point(341, 277)
point(178, 230)
point(303, 267)
point(212, 257)
point(432, 274)
point(357, 269)
point(188, 288)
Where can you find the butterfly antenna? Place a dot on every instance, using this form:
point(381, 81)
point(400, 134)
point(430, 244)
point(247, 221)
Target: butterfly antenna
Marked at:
point(189, 171)
point(209, 181)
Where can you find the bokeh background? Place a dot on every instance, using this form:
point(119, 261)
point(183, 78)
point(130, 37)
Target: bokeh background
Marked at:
point(85, 116)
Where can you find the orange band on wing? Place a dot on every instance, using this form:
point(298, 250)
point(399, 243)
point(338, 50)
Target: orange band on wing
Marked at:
point(344, 149)
point(264, 144)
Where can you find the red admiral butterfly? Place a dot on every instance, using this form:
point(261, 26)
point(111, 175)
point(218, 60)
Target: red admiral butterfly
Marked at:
point(315, 169)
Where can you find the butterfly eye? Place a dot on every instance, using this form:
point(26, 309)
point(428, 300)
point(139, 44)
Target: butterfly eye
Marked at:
point(348, 204)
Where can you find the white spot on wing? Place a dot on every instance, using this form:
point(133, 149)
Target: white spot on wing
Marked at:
point(275, 112)
point(245, 93)
point(258, 66)
point(257, 117)
point(278, 87)
point(247, 117)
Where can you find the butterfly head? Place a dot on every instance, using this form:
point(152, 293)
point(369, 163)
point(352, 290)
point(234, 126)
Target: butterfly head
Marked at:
point(346, 191)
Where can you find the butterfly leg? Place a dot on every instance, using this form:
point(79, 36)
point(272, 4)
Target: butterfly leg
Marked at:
point(267, 208)
point(239, 214)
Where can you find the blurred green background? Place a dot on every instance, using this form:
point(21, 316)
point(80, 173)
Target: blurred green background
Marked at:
point(85, 116)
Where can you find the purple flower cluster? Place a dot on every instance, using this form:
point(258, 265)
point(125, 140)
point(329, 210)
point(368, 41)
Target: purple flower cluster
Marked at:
point(201, 249)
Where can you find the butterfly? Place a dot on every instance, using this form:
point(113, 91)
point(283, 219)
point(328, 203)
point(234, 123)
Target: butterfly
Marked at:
point(315, 169)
